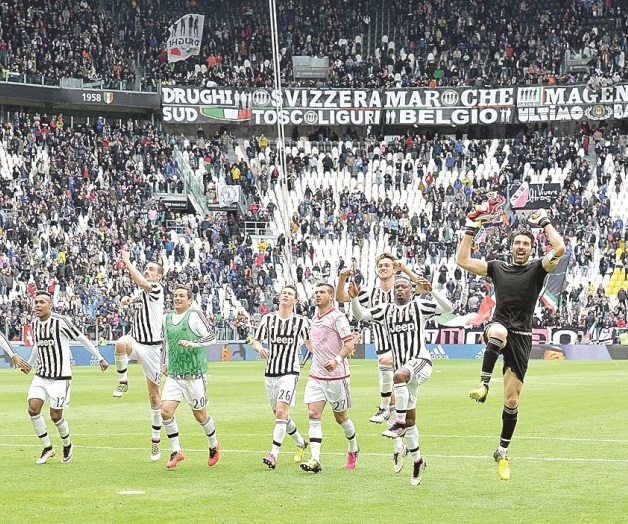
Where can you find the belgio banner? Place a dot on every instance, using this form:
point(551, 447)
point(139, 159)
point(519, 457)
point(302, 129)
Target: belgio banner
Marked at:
point(449, 106)
point(421, 106)
point(356, 107)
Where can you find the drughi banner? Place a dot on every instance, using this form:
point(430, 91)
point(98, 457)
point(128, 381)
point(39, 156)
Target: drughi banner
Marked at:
point(421, 106)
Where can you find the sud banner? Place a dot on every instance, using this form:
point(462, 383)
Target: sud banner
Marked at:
point(421, 106)
point(186, 35)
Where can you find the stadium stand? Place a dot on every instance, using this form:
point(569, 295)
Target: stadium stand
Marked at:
point(120, 43)
point(65, 190)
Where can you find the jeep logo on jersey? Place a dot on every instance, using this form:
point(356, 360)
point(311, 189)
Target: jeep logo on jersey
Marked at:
point(107, 97)
point(402, 328)
point(284, 340)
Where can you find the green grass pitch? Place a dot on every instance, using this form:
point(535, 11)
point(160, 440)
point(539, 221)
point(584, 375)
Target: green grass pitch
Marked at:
point(569, 456)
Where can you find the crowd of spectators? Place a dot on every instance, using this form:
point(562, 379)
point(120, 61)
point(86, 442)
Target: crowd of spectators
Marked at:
point(391, 44)
point(593, 158)
point(72, 198)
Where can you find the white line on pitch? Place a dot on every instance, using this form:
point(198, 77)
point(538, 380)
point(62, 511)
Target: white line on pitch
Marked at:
point(364, 454)
point(423, 435)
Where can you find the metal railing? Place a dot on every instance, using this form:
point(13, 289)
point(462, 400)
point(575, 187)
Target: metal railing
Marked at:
point(75, 83)
point(192, 183)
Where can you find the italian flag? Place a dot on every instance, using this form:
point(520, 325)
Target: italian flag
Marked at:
point(226, 113)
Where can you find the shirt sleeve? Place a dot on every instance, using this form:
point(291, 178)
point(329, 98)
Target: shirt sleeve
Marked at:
point(156, 291)
point(262, 330)
point(343, 328)
point(364, 298)
point(428, 308)
point(379, 313)
point(202, 327)
point(6, 346)
point(68, 329)
point(305, 330)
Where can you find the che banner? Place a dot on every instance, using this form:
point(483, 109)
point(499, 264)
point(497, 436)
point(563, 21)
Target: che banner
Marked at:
point(421, 106)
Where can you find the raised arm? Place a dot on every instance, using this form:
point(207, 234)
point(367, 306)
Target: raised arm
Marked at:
point(550, 261)
point(463, 255)
point(399, 266)
point(359, 311)
point(136, 274)
point(341, 291)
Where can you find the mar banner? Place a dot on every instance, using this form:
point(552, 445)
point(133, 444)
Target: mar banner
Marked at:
point(571, 103)
point(449, 106)
point(185, 38)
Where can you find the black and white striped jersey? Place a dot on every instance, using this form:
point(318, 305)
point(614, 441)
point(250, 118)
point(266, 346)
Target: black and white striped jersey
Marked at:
point(51, 339)
point(149, 311)
point(369, 299)
point(283, 338)
point(404, 328)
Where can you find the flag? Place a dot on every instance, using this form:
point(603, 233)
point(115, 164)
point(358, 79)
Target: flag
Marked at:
point(471, 319)
point(186, 35)
point(553, 285)
point(486, 309)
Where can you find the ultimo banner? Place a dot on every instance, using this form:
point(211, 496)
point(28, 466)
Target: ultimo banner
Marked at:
point(426, 106)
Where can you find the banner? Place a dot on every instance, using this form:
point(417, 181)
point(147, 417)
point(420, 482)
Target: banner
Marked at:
point(449, 106)
point(571, 103)
point(441, 106)
point(553, 285)
point(534, 196)
point(205, 105)
point(186, 35)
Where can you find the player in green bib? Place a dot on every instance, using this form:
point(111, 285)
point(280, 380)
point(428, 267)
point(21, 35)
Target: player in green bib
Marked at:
point(187, 333)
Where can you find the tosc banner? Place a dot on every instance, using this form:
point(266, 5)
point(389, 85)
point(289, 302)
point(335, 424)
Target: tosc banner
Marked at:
point(420, 106)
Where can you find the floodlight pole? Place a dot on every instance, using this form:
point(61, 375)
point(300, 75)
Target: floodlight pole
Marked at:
point(282, 194)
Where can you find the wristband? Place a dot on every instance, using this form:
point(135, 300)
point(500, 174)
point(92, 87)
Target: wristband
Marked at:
point(471, 231)
point(338, 358)
point(544, 222)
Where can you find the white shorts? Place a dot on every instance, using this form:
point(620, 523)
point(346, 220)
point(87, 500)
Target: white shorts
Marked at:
point(336, 392)
point(149, 357)
point(282, 389)
point(56, 391)
point(194, 390)
point(420, 370)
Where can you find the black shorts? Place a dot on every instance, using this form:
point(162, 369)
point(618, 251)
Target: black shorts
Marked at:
point(516, 353)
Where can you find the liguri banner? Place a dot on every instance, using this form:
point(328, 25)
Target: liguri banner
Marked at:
point(420, 106)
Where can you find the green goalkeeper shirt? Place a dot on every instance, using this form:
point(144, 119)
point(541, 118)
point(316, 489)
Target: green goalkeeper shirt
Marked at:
point(184, 362)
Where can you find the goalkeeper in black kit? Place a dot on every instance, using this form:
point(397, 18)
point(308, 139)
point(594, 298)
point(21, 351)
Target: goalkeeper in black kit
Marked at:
point(509, 332)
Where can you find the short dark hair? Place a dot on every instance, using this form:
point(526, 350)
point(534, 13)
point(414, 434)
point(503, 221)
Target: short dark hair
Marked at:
point(186, 288)
point(525, 233)
point(44, 293)
point(160, 268)
point(293, 287)
point(329, 287)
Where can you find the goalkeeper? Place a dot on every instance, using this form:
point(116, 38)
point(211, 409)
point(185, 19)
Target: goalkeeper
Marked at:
point(509, 332)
